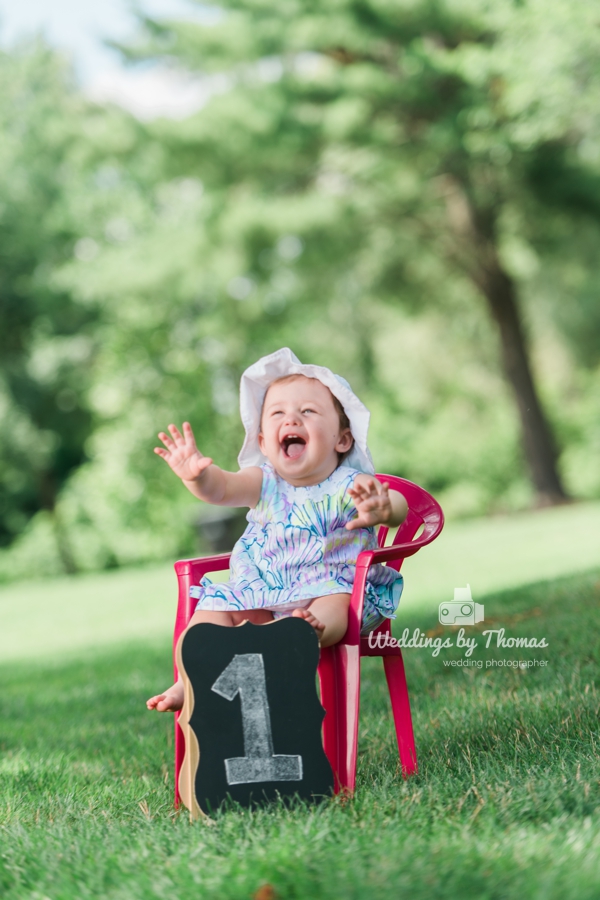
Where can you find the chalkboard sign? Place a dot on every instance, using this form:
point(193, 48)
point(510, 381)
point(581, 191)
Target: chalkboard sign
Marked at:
point(251, 717)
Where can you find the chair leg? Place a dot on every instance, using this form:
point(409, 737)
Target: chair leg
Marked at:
point(327, 684)
point(339, 676)
point(396, 679)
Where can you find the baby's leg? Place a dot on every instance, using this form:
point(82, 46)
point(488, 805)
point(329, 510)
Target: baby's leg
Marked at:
point(172, 699)
point(328, 616)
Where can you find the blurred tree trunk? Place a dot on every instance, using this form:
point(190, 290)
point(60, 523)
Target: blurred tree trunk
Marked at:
point(538, 441)
point(63, 545)
point(475, 248)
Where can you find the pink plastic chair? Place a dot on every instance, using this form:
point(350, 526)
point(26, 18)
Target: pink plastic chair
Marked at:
point(339, 666)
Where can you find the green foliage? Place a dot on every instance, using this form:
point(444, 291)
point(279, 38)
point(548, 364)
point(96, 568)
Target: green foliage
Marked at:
point(505, 803)
point(46, 340)
point(325, 199)
point(445, 142)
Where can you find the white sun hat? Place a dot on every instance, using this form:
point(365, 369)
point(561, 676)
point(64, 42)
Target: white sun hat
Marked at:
point(253, 387)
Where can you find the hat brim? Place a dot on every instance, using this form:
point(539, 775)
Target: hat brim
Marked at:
point(255, 383)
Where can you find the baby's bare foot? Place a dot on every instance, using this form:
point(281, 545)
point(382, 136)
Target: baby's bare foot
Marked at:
point(170, 701)
point(312, 620)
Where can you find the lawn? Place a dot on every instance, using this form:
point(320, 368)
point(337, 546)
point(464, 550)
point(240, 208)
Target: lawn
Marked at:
point(41, 619)
point(506, 803)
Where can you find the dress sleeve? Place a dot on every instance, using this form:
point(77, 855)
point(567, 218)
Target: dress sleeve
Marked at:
point(268, 488)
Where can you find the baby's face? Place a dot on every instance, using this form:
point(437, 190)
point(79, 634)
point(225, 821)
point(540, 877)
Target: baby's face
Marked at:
point(300, 431)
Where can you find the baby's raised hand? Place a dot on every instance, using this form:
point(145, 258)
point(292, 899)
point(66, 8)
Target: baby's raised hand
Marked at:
point(372, 501)
point(182, 454)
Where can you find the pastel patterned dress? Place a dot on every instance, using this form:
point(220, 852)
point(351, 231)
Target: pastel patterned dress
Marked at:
point(296, 548)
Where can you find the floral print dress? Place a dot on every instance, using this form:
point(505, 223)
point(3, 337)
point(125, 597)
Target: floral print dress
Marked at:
point(296, 548)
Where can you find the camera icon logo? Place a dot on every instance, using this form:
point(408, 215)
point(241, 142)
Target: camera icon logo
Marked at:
point(462, 610)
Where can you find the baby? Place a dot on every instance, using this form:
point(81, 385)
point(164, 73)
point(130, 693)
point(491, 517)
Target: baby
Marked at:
point(307, 477)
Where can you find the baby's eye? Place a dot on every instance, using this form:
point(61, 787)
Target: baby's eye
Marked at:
point(307, 410)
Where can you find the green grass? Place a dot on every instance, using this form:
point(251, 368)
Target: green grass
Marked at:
point(500, 552)
point(68, 615)
point(506, 803)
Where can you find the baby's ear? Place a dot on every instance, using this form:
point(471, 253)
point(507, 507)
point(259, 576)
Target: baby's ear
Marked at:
point(261, 442)
point(345, 441)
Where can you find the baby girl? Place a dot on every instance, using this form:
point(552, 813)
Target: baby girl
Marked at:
point(307, 476)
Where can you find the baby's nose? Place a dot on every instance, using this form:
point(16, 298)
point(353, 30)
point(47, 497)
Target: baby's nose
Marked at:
point(293, 417)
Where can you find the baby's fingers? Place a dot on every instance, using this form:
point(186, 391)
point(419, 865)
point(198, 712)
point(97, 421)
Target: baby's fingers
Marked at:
point(176, 434)
point(359, 492)
point(166, 440)
point(188, 434)
point(358, 522)
point(357, 496)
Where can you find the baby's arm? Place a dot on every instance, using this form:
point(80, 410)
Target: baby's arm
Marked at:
point(376, 504)
point(205, 480)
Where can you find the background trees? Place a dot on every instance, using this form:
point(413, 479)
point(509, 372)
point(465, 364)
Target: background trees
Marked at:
point(46, 340)
point(425, 119)
point(407, 192)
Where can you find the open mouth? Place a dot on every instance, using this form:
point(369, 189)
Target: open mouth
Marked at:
point(293, 446)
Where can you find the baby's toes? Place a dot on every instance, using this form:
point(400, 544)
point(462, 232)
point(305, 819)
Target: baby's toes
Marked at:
point(312, 620)
point(153, 702)
point(301, 614)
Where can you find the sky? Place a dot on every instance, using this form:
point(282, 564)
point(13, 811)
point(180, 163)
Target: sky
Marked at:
point(78, 27)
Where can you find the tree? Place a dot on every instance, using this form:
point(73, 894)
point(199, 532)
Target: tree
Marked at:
point(44, 347)
point(51, 142)
point(425, 130)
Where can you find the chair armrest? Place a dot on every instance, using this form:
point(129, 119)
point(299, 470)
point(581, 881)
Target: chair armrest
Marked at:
point(403, 549)
point(197, 567)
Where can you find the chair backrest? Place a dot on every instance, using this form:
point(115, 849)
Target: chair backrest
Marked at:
point(424, 512)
